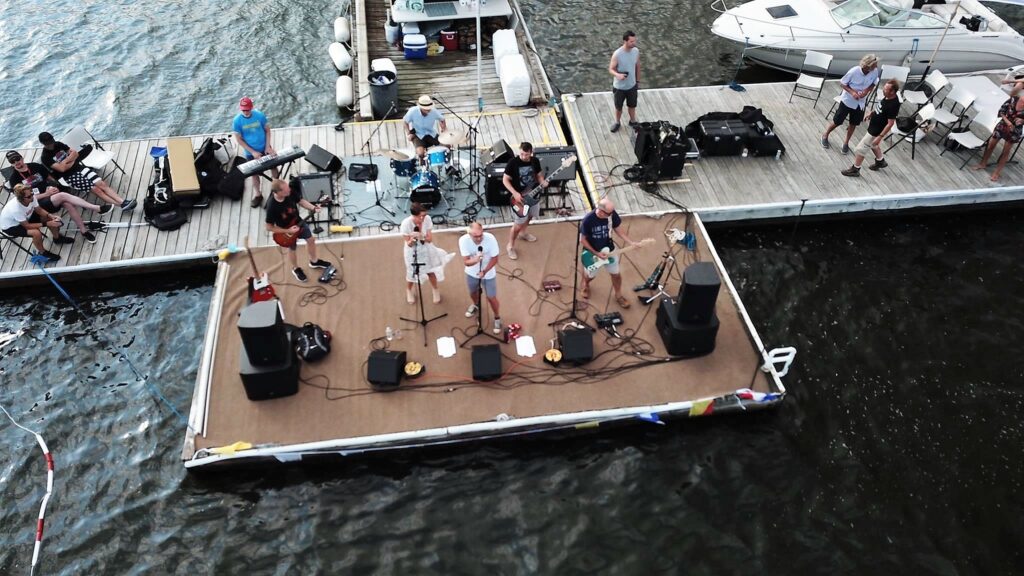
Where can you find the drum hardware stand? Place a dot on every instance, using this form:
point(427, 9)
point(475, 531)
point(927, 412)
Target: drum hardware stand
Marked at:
point(481, 296)
point(376, 183)
point(416, 265)
point(474, 171)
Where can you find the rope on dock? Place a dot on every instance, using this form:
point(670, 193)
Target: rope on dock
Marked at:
point(49, 488)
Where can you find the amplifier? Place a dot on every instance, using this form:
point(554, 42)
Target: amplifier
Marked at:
point(496, 194)
point(551, 160)
point(316, 186)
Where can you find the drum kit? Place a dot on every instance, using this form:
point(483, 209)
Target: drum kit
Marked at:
point(423, 178)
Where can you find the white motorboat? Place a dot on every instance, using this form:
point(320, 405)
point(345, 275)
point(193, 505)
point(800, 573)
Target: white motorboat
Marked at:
point(775, 33)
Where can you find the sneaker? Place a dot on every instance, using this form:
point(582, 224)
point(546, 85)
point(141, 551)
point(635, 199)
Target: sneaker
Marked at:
point(129, 204)
point(49, 256)
point(846, 148)
point(410, 296)
point(633, 123)
point(615, 127)
point(879, 164)
point(105, 209)
point(63, 240)
point(299, 274)
point(257, 201)
point(471, 311)
point(89, 236)
point(319, 264)
point(825, 144)
point(497, 326)
point(512, 252)
point(852, 171)
point(527, 237)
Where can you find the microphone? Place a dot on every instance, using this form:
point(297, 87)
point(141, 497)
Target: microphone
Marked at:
point(416, 229)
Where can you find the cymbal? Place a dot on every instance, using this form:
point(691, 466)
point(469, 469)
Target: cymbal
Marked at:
point(451, 138)
point(394, 154)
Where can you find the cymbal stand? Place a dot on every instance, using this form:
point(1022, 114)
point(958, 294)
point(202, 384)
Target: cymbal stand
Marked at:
point(376, 182)
point(474, 171)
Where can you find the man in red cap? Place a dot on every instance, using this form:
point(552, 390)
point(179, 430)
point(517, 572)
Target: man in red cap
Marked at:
point(252, 132)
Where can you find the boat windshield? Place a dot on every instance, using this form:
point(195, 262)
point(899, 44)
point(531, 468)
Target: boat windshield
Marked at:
point(881, 15)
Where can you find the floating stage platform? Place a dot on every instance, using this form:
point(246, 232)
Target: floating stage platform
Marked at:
point(336, 412)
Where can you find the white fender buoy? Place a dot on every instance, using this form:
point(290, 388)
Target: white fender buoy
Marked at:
point(342, 32)
point(339, 54)
point(343, 92)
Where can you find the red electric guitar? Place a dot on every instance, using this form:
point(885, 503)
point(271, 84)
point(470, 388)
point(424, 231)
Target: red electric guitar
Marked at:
point(260, 289)
point(286, 240)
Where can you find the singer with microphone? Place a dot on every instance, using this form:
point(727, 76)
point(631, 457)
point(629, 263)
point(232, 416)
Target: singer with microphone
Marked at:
point(422, 122)
point(421, 255)
point(479, 251)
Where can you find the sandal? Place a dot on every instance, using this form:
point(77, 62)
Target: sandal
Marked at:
point(622, 301)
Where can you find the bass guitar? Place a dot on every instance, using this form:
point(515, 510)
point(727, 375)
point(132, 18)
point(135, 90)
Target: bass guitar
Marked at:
point(532, 197)
point(592, 263)
point(260, 289)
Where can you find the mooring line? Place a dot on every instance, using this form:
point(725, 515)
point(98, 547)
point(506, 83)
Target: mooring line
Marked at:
point(49, 488)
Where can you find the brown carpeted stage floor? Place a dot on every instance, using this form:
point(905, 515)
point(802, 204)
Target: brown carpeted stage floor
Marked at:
point(373, 297)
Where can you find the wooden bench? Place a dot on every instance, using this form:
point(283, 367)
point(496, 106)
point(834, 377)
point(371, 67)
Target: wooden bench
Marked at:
point(184, 181)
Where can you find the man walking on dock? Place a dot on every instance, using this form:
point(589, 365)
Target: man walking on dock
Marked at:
point(857, 84)
point(252, 132)
point(880, 121)
point(625, 68)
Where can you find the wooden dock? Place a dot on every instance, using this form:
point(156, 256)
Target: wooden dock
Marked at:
point(736, 188)
point(225, 222)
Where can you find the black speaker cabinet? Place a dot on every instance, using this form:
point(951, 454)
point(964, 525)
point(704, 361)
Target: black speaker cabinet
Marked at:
point(384, 368)
point(486, 362)
point(498, 153)
point(264, 334)
point(698, 293)
point(322, 159)
point(682, 339)
point(577, 346)
point(672, 160)
point(496, 194)
point(269, 381)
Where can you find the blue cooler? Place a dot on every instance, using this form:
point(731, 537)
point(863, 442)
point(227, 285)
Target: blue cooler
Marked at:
point(415, 46)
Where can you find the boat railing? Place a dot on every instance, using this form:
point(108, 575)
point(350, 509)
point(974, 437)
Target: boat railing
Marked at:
point(721, 7)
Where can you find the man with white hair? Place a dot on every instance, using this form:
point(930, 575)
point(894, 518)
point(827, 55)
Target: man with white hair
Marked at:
point(857, 84)
point(422, 121)
point(595, 236)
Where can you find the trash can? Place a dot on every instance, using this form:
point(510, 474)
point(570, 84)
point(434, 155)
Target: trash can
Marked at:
point(383, 92)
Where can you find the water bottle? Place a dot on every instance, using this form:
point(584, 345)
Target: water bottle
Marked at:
point(398, 333)
point(744, 152)
point(389, 333)
point(778, 155)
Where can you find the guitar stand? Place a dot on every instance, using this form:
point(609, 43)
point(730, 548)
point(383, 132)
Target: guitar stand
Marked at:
point(423, 321)
point(562, 193)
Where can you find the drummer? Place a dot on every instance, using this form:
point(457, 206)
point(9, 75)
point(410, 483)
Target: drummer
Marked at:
point(422, 121)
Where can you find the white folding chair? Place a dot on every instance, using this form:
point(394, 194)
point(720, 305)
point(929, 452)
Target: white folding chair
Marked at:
point(890, 72)
point(951, 119)
point(98, 159)
point(935, 82)
point(915, 134)
point(968, 140)
point(812, 75)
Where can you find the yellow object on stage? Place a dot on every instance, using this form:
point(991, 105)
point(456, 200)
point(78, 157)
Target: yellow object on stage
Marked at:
point(338, 228)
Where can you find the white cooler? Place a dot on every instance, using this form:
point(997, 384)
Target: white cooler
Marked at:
point(379, 64)
point(503, 43)
point(515, 80)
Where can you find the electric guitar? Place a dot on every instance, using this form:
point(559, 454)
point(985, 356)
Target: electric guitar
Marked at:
point(260, 289)
point(591, 263)
point(532, 197)
point(286, 240)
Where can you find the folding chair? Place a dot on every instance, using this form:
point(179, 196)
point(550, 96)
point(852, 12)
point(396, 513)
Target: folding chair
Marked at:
point(915, 134)
point(969, 141)
point(98, 158)
point(934, 82)
point(890, 72)
point(810, 80)
point(951, 118)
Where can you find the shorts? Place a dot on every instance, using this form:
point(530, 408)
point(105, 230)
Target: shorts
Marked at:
point(627, 96)
point(856, 115)
point(248, 155)
point(83, 179)
point(612, 268)
point(490, 285)
point(47, 204)
point(533, 212)
point(425, 142)
point(863, 147)
point(19, 230)
point(304, 234)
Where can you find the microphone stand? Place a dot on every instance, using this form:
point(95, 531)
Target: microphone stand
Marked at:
point(473, 185)
point(480, 309)
point(366, 146)
point(416, 265)
point(573, 315)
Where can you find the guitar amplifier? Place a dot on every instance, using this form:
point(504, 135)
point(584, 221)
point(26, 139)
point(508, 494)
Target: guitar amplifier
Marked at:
point(496, 194)
point(551, 160)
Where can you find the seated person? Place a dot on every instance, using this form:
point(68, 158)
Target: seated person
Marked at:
point(48, 194)
point(63, 162)
point(22, 217)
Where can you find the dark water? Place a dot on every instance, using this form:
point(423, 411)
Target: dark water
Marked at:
point(896, 452)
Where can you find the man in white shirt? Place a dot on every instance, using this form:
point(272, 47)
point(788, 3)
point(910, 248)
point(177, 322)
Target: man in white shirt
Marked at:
point(422, 122)
point(22, 217)
point(857, 84)
point(479, 251)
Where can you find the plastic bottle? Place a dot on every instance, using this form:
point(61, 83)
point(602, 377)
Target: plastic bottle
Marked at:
point(778, 155)
point(744, 152)
point(389, 333)
point(398, 333)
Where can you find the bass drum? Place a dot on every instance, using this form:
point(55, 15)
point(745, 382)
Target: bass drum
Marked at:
point(424, 188)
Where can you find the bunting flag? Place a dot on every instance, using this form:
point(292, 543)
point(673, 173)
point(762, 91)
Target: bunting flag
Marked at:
point(702, 407)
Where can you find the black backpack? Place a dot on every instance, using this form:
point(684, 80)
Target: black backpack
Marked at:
point(208, 167)
point(232, 185)
point(160, 208)
point(312, 342)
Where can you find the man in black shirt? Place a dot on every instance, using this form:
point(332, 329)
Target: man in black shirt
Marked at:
point(288, 228)
point(522, 174)
point(63, 162)
point(880, 121)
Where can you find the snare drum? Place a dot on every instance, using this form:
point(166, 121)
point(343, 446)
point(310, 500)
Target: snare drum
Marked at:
point(424, 188)
point(403, 168)
point(438, 156)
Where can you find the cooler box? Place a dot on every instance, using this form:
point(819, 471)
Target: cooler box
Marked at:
point(515, 80)
point(450, 40)
point(383, 64)
point(410, 28)
point(503, 43)
point(415, 46)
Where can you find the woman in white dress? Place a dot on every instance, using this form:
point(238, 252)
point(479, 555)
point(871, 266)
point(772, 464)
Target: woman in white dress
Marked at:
point(417, 231)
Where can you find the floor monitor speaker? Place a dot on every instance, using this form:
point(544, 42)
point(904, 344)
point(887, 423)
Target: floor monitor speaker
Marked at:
point(264, 334)
point(486, 362)
point(698, 293)
point(577, 346)
point(322, 159)
point(682, 339)
point(269, 381)
point(384, 368)
point(499, 152)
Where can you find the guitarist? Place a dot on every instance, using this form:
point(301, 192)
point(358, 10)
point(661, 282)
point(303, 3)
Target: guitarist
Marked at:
point(595, 235)
point(283, 219)
point(522, 174)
